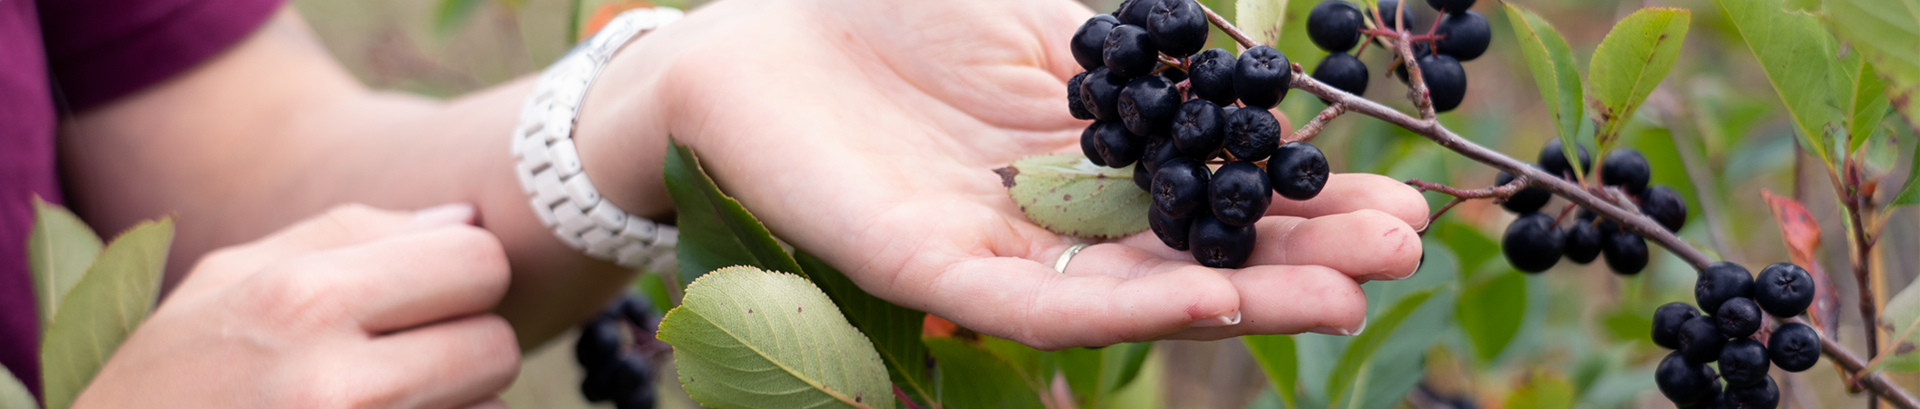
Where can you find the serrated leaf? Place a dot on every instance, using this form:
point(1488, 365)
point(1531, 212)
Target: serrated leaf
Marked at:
point(1801, 61)
point(1542, 391)
point(1261, 20)
point(449, 15)
point(894, 330)
point(747, 338)
point(1555, 73)
point(13, 394)
point(1867, 103)
point(1884, 32)
point(1095, 374)
point(715, 231)
point(1067, 194)
point(1901, 314)
point(1490, 313)
point(1360, 351)
point(1634, 57)
point(973, 377)
point(114, 296)
point(1280, 360)
point(58, 252)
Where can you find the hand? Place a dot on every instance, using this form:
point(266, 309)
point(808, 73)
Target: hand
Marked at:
point(866, 131)
point(355, 308)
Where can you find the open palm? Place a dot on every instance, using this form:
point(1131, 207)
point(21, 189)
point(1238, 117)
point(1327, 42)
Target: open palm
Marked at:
point(865, 132)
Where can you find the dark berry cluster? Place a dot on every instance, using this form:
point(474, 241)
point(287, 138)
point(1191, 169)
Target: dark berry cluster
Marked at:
point(1460, 35)
point(1736, 301)
point(613, 348)
point(1172, 122)
point(1535, 241)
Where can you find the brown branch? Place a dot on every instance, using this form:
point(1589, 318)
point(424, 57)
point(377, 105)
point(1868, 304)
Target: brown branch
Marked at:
point(1490, 192)
point(1319, 122)
point(1226, 27)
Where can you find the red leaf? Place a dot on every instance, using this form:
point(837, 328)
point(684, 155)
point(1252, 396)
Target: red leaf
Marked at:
point(1802, 236)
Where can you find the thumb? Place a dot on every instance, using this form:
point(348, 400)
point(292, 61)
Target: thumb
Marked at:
point(340, 226)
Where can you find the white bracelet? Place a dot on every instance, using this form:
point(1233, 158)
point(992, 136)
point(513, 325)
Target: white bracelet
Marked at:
point(549, 166)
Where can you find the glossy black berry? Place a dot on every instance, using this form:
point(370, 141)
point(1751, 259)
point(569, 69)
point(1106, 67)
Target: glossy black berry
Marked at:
point(1626, 168)
point(1136, 12)
point(1450, 6)
point(1142, 176)
point(1760, 395)
point(1220, 245)
point(1783, 289)
point(1343, 72)
point(1147, 105)
point(1199, 129)
point(1625, 251)
point(1387, 8)
point(1533, 243)
point(1210, 76)
point(1239, 193)
point(1298, 171)
point(1446, 81)
point(1159, 150)
point(1743, 362)
point(1252, 134)
point(1090, 41)
point(615, 377)
point(1738, 317)
point(1335, 25)
point(1685, 382)
point(1466, 35)
point(1583, 242)
point(599, 341)
point(1527, 200)
point(1667, 320)
point(1172, 231)
point(1100, 93)
point(1180, 188)
point(1665, 206)
point(1720, 282)
point(1701, 339)
point(1794, 347)
point(1261, 77)
point(1129, 51)
point(1555, 161)
point(1074, 105)
point(1090, 143)
point(1178, 27)
point(1119, 148)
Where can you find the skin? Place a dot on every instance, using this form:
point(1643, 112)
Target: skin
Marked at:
point(863, 132)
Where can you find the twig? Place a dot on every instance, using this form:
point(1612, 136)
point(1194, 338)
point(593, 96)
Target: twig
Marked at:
point(1319, 122)
point(1704, 190)
point(1491, 192)
point(1226, 27)
point(1435, 217)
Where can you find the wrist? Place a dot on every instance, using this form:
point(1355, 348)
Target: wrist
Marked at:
point(623, 128)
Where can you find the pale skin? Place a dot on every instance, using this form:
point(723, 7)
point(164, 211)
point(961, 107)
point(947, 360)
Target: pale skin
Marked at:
point(864, 132)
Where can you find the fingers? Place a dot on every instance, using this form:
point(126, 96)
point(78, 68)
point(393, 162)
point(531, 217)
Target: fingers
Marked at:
point(1350, 192)
point(340, 226)
point(1031, 303)
point(409, 280)
point(1289, 300)
point(1365, 244)
point(445, 365)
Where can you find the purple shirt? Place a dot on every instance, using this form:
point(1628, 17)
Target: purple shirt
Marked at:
point(65, 56)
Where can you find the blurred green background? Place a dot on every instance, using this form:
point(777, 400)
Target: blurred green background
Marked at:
point(1580, 329)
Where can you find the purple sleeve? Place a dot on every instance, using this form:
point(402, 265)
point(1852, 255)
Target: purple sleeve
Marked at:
point(101, 50)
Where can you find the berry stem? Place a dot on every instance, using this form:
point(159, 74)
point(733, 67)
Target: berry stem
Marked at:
point(1319, 122)
point(1226, 27)
point(1435, 217)
point(1491, 192)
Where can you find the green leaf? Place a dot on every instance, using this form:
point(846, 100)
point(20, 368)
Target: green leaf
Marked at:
point(1070, 195)
point(1033, 365)
point(114, 296)
point(715, 231)
point(14, 394)
point(451, 14)
point(1261, 20)
point(1868, 103)
point(1884, 32)
point(1542, 392)
point(654, 286)
point(973, 377)
point(1632, 60)
point(1902, 313)
point(1554, 71)
point(1475, 248)
point(1910, 194)
point(748, 338)
point(1364, 345)
point(894, 330)
point(1799, 58)
point(1279, 359)
point(58, 252)
point(1095, 374)
point(1490, 313)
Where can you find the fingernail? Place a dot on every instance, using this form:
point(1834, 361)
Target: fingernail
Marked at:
point(1220, 321)
point(1340, 331)
point(451, 213)
point(1392, 277)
